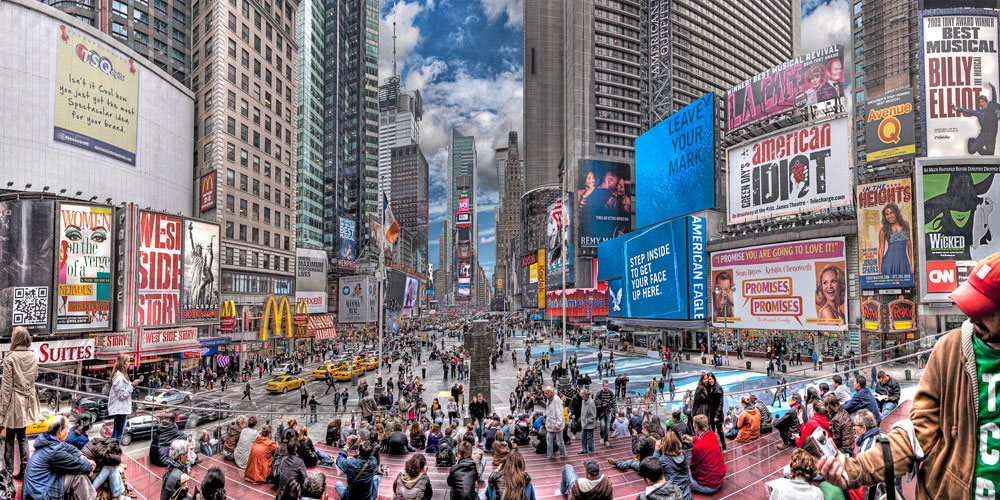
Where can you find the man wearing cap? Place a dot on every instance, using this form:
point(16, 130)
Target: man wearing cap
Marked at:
point(953, 435)
point(593, 487)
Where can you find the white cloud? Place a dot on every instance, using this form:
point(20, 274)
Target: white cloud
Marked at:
point(487, 236)
point(407, 36)
point(514, 10)
point(829, 23)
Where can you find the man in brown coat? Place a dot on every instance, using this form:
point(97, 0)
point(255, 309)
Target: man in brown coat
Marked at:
point(953, 442)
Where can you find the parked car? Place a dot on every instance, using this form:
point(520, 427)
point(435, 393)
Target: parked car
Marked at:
point(287, 369)
point(139, 425)
point(207, 412)
point(95, 408)
point(285, 382)
point(171, 396)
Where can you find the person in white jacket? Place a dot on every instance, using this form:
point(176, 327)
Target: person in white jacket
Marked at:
point(120, 396)
point(554, 423)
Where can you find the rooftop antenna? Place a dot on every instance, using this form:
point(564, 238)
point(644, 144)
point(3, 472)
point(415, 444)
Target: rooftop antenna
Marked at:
point(394, 5)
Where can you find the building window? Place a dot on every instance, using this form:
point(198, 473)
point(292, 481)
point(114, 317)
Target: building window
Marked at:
point(256, 164)
point(267, 217)
point(245, 33)
point(245, 59)
point(243, 158)
point(231, 100)
point(243, 237)
point(243, 182)
point(267, 197)
point(231, 74)
point(229, 234)
point(244, 108)
point(230, 202)
point(256, 188)
point(254, 235)
point(255, 212)
point(231, 130)
point(244, 130)
point(267, 235)
point(232, 22)
point(243, 207)
point(230, 151)
point(230, 177)
point(119, 30)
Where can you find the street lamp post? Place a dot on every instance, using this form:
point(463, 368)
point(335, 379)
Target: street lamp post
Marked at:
point(725, 318)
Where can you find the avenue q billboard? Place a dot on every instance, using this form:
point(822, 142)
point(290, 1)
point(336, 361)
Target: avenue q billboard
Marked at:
point(810, 79)
point(798, 170)
point(658, 272)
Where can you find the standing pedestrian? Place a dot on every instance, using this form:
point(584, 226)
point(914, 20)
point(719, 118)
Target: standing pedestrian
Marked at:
point(246, 393)
point(120, 395)
point(313, 406)
point(18, 397)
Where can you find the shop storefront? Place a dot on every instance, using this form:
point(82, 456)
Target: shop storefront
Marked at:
point(61, 360)
point(162, 350)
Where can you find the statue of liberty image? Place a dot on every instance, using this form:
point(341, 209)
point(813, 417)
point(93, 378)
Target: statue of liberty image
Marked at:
point(202, 278)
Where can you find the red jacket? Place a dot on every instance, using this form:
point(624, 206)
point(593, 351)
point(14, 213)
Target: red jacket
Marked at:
point(708, 467)
point(817, 420)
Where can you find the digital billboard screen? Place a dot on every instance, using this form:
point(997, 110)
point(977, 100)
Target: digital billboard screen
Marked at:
point(603, 203)
point(658, 272)
point(676, 156)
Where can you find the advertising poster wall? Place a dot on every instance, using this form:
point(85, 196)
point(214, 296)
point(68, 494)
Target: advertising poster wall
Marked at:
point(410, 294)
point(96, 96)
point(310, 279)
point(558, 218)
point(159, 264)
point(958, 79)
point(789, 286)
point(888, 313)
point(810, 79)
point(206, 192)
point(889, 126)
point(348, 243)
point(541, 278)
point(603, 204)
point(200, 286)
point(798, 170)
point(658, 272)
point(354, 296)
point(957, 218)
point(676, 156)
point(885, 234)
point(26, 264)
point(83, 282)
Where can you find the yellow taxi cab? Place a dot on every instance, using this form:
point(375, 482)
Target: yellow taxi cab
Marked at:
point(285, 382)
point(39, 426)
point(345, 371)
point(323, 370)
point(369, 364)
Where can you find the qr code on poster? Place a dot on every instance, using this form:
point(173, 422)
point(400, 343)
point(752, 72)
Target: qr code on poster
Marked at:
point(31, 305)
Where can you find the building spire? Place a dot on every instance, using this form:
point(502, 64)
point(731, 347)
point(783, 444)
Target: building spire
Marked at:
point(394, 40)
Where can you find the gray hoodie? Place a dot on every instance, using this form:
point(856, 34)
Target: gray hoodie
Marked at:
point(588, 414)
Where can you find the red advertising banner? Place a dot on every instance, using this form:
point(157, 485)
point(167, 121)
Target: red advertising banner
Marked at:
point(151, 338)
point(159, 265)
point(206, 193)
point(582, 302)
point(227, 324)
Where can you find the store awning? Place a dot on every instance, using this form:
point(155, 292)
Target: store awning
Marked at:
point(321, 321)
point(661, 323)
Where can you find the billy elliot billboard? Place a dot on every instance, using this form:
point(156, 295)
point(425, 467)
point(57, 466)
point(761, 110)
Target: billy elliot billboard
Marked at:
point(958, 79)
point(885, 234)
point(794, 286)
point(889, 130)
point(958, 220)
point(795, 171)
point(810, 79)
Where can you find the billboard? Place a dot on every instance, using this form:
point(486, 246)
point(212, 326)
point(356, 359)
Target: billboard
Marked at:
point(463, 219)
point(410, 294)
point(888, 313)
point(581, 302)
point(889, 126)
point(554, 240)
point(206, 192)
point(348, 243)
point(464, 272)
point(83, 283)
point(957, 218)
point(159, 264)
point(809, 79)
point(464, 291)
point(356, 292)
point(885, 234)
point(958, 79)
point(463, 203)
point(541, 278)
point(96, 96)
point(790, 286)
point(528, 278)
point(310, 279)
point(676, 156)
point(26, 263)
point(200, 284)
point(658, 272)
point(603, 204)
point(798, 170)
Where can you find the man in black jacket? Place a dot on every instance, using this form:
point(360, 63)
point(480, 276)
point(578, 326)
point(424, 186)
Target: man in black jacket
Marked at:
point(887, 392)
point(478, 409)
point(605, 400)
point(398, 442)
point(463, 476)
point(788, 424)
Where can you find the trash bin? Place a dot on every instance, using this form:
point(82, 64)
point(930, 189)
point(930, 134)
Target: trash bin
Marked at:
point(748, 365)
point(908, 375)
point(704, 360)
point(687, 356)
point(354, 379)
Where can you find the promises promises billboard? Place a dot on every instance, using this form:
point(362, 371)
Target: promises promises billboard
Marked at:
point(795, 171)
point(788, 286)
point(958, 79)
point(676, 156)
point(96, 96)
point(810, 79)
point(958, 218)
point(658, 272)
point(83, 298)
point(885, 234)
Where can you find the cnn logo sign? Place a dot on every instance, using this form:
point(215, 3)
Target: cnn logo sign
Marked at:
point(941, 276)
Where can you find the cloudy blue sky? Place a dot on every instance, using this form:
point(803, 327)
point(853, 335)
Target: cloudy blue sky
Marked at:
point(465, 57)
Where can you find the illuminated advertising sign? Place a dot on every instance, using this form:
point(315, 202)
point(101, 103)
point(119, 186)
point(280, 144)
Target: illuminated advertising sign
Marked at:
point(463, 219)
point(354, 300)
point(200, 286)
point(581, 302)
point(206, 192)
point(310, 278)
point(541, 278)
point(83, 284)
point(348, 243)
point(603, 203)
point(159, 263)
point(658, 272)
point(463, 203)
point(791, 286)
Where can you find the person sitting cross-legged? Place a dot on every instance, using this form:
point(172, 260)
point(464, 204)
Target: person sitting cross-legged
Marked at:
point(360, 470)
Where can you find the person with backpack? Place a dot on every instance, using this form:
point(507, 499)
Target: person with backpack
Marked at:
point(444, 456)
point(413, 483)
point(291, 470)
point(463, 476)
point(362, 471)
point(606, 406)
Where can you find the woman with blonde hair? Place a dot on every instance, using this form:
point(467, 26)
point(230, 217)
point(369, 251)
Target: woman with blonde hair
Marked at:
point(120, 396)
point(830, 290)
point(18, 397)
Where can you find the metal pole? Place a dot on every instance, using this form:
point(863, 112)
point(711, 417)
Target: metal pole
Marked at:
point(563, 268)
point(379, 272)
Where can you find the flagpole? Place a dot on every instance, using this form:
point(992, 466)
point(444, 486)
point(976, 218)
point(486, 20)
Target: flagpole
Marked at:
point(563, 259)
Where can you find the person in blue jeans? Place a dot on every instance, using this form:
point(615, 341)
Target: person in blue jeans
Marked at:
point(588, 421)
point(595, 485)
point(361, 471)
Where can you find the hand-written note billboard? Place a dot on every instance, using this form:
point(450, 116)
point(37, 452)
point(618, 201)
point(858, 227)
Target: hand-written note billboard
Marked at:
point(958, 79)
point(791, 286)
point(159, 263)
point(84, 281)
point(96, 96)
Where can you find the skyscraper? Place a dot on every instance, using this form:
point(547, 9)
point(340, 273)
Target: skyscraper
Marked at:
point(399, 114)
point(510, 164)
point(462, 230)
point(350, 123)
point(409, 204)
point(244, 122)
point(309, 131)
point(588, 64)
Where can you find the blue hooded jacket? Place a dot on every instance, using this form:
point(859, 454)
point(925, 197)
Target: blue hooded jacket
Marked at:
point(52, 460)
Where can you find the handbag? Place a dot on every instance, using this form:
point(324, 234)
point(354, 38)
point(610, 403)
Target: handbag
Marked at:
point(8, 491)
